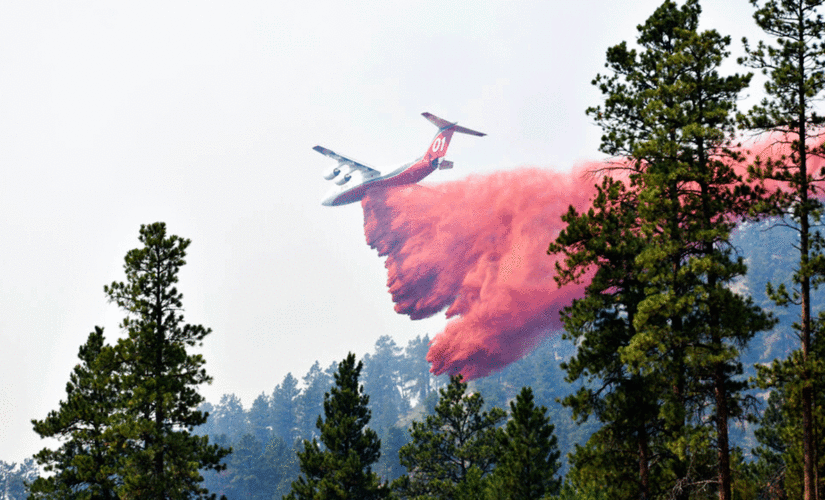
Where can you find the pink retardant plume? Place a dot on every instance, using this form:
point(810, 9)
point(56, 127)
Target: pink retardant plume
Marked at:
point(478, 247)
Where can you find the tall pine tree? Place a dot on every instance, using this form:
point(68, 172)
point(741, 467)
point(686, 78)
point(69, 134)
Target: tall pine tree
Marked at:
point(382, 380)
point(795, 66)
point(668, 112)
point(159, 379)
point(284, 416)
point(626, 403)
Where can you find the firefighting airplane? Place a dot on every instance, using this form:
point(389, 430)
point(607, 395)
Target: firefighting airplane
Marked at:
point(354, 178)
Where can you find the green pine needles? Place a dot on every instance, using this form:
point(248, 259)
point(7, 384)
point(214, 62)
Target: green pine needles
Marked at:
point(528, 453)
point(660, 329)
point(130, 410)
point(86, 465)
point(340, 466)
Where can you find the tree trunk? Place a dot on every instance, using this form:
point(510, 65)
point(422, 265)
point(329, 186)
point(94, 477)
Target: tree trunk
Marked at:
point(722, 432)
point(805, 286)
point(644, 464)
point(160, 340)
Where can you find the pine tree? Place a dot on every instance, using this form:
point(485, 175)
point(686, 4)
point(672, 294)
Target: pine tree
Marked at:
point(796, 81)
point(256, 469)
point(229, 418)
point(311, 400)
point(342, 468)
point(528, 453)
point(259, 418)
point(15, 479)
point(285, 399)
point(601, 323)
point(770, 469)
point(415, 370)
point(455, 444)
point(388, 467)
point(669, 113)
point(85, 465)
point(159, 456)
point(382, 380)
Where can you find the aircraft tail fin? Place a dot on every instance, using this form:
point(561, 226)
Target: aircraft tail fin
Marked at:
point(444, 124)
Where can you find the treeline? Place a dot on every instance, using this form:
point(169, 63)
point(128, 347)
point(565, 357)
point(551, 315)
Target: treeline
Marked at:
point(14, 477)
point(132, 424)
point(266, 436)
point(457, 452)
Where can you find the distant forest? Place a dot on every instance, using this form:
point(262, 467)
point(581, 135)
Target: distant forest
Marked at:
point(266, 437)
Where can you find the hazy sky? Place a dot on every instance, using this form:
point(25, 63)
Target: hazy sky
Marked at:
point(203, 115)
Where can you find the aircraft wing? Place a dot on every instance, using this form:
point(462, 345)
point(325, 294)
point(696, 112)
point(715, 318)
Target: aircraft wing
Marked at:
point(343, 160)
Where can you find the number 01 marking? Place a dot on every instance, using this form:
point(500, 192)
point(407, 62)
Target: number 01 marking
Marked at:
point(438, 144)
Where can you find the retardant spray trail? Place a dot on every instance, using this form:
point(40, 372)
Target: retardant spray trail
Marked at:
point(478, 248)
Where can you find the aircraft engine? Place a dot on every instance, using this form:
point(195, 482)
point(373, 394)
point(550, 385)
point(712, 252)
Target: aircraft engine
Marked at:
point(332, 173)
point(343, 180)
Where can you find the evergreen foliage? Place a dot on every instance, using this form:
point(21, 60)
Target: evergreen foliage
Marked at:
point(255, 469)
point(450, 448)
point(415, 370)
point(626, 402)
point(285, 399)
point(229, 423)
point(528, 453)
point(382, 379)
point(342, 468)
point(15, 479)
point(393, 439)
point(258, 468)
point(768, 471)
point(130, 410)
point(86, 464)
point(795, 66)
point(661, 322)
point(311, 401)
point(159, 379)
point(230, 417)
point(259, 418)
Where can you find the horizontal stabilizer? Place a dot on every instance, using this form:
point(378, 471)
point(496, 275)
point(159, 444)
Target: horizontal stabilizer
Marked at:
point(444, 124)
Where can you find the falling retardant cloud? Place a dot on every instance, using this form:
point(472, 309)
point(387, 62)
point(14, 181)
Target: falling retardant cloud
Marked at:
point(478, 247)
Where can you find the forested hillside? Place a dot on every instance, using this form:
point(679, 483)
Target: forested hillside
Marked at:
point(266, 435)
